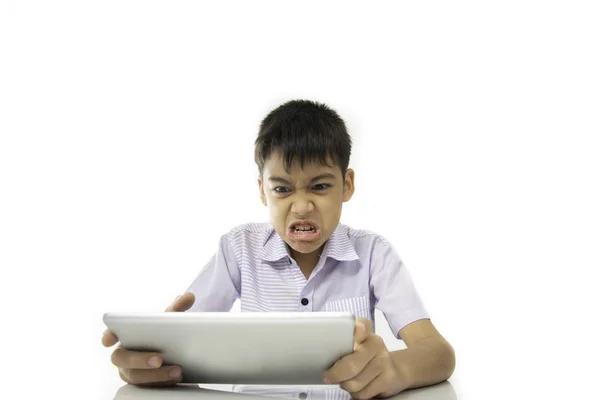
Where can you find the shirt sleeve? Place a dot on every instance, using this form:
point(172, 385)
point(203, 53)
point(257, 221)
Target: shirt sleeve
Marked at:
point(392, 287)
point(217, 286)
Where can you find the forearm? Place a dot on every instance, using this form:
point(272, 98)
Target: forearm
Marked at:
point(427, 362)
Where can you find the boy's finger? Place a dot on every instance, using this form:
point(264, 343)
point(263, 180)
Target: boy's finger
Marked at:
point(362, 329)
point(127, 359)
point(368, 324)
point(182, 303)
point(167, 375)
point(109, 339)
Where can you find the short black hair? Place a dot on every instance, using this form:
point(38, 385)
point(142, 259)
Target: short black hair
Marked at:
point(304, 130)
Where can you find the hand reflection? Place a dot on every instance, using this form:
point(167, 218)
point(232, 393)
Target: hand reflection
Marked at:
point(441, 391)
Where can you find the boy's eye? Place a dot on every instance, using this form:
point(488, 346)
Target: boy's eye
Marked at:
point(321, 186)
point(280, 189)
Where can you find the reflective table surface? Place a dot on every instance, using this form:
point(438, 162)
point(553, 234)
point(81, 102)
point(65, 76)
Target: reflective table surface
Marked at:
point(441, 391)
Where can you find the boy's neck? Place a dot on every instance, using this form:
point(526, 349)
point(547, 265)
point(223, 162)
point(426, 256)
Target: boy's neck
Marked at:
point(306, 261)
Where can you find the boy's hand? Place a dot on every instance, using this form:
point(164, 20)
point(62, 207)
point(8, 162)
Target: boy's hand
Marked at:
point(145, 368)
point(369, 370)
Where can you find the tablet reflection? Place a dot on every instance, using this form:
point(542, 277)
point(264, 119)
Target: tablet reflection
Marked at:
point(441, 391)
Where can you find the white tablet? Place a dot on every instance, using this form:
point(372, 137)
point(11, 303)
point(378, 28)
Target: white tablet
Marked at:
point(240, 347)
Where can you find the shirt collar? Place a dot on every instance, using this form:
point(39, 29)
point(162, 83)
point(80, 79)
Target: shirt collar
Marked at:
point(338, 247)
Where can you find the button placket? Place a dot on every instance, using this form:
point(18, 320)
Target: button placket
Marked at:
point(305, 299)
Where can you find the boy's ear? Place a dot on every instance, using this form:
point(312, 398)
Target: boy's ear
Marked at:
point(263, 198)
point(348, 185)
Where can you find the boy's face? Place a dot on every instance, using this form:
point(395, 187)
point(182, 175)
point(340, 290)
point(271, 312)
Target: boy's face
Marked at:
point(306, 204)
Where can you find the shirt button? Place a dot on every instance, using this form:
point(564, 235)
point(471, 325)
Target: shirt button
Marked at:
point(304, 301)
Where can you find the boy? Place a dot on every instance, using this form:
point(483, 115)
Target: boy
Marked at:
point(305, 260)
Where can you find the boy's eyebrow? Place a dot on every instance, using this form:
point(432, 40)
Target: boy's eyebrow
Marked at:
point(280, 180)
point(327, 175)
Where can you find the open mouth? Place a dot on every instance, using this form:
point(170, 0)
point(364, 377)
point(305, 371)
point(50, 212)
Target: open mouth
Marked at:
point(303, 228)
point(303, 231)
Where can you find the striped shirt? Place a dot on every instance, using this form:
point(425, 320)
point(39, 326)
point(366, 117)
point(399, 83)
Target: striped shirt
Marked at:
point(358, 272)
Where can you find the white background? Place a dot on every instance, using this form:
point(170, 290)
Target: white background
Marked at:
point(126, 150)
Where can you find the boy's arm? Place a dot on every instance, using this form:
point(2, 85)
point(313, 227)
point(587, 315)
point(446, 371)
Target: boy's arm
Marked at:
point(428, 358)
point(373, 371)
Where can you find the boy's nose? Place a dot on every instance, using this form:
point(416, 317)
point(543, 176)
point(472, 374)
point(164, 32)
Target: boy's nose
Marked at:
point(302, 206)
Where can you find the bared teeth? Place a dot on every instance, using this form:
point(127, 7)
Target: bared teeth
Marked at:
point(303, 228)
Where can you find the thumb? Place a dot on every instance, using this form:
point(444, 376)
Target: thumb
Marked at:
point(109, 339)
point(182, 303)
point(362, 329)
